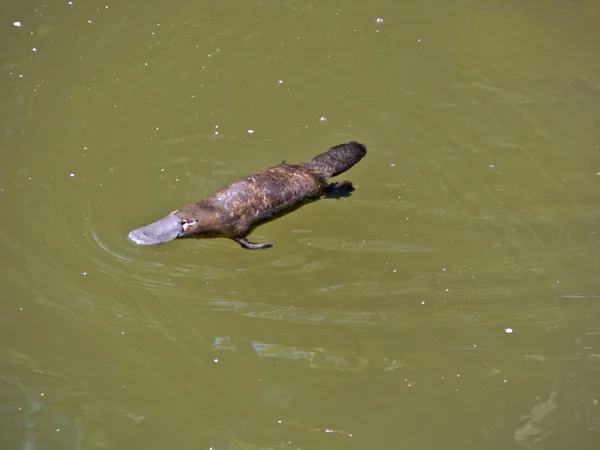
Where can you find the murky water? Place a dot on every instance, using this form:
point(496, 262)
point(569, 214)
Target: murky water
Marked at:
point(451, 302)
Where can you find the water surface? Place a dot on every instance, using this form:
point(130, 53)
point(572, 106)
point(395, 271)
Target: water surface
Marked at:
point(451, 302)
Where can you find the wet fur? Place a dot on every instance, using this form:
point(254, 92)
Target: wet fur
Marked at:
point(236, 210)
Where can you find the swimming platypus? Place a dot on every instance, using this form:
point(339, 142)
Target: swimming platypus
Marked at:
point(236, 210)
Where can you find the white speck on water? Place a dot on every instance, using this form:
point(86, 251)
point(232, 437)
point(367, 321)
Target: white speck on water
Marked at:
point(379, 20)
point(250, 131)
point(216, 360)
point(70, 3)
point(280, 81)
point(72, 175)
point(122, 333)
point(422, 303)
point(17, 24)
point(34, 49)
point(492, 166)
point(419, 40)
point(156, 128)
point(57, 430)
point(508, 330)
point(89, 21)
point(84, 273)
point(162, 170)
point(323, 119)
point(392, 165)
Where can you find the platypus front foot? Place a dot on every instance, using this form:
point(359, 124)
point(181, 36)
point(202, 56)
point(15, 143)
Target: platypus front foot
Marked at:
point(252, 245)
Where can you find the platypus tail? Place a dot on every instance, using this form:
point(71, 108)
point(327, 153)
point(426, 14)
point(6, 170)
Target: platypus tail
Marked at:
point(337, 159)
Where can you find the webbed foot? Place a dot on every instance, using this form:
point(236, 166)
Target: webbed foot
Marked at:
point(252, 245)
point(339, 189)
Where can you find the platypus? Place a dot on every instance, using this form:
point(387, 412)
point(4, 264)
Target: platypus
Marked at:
point(236, 210)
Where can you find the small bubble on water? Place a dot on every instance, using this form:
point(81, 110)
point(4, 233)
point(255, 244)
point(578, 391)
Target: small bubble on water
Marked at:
point(323, 119)
point(508, 330)
point(379, 20)
point(17, 24)
point(72, 175)
point(250, 131)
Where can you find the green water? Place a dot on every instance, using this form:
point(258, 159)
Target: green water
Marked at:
point(452, 302)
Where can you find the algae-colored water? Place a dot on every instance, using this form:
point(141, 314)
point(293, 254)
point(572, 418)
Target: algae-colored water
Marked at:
point(452, 302)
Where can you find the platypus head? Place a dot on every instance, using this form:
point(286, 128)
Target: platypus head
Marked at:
point(164, 230)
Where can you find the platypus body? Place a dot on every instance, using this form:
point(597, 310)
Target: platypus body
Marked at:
point(236, 210)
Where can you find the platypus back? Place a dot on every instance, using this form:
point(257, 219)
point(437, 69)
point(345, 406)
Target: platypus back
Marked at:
point(337, 159)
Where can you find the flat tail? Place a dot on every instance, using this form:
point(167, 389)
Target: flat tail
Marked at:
point(338, 159)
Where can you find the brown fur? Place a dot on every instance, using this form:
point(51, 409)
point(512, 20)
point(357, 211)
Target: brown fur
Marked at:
point(233, 212)
point(247, 203)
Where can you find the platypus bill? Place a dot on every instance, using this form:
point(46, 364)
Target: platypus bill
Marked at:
point(236, 210)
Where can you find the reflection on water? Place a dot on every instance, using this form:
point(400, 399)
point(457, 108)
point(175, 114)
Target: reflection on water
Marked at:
point(50, 409)
point(537, 422)
point(318, 358)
